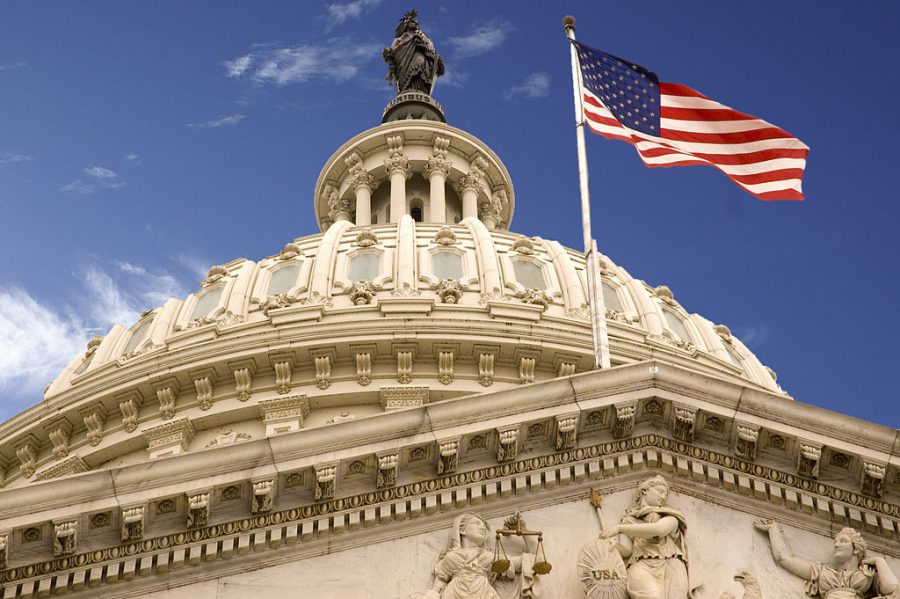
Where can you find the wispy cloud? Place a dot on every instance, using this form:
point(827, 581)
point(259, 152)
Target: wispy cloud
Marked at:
point(10, 158)
point(222, 121)
point(338, 61)
point(753, 336)
point(453, 79)
point(536, 85)
point(196, 265)
point(12, 66)
point(132, 158)
point(482, 38)
point(97, 177)
point(338, 12)
point(37, 339)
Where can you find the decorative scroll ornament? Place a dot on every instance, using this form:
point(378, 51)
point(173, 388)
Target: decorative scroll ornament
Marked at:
point(523, 245)
point(216, 273)
point(362, 293)
point(438, 162)
point(366, 238)
point(289, 251)
point(357, 174)
point(338, 207)
point(449, 290)
point(397, 160)
point(445, 236)
point(536, 297)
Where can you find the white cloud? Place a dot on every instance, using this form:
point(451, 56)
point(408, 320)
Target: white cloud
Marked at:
point(339, 13)
point(38, 340)
point(132, 158)
point(753, 336)
point(338, 61)
point(98, 178)
point(536, 85)
point(483, 38)
point(12, 66)
point(36, 343)
point(197, 266)
point(223, 121)
point(10, 158)
point(453, 79)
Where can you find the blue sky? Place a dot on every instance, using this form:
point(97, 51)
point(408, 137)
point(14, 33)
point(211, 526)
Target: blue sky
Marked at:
point(142, 143)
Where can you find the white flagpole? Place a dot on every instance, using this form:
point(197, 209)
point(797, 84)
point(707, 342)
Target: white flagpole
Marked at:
point(595, 296)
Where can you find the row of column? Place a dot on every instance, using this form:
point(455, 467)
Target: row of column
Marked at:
point(437, 170)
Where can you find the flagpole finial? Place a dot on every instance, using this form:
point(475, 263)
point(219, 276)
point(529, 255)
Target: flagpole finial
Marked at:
point(569, 22)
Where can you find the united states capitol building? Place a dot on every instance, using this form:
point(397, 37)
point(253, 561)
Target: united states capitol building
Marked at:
point(406, 405)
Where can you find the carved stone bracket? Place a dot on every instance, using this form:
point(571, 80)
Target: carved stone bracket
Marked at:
point(448, 456)
point(397, 162)
point(873, 479)
point(27, 454)
point(566, 431)
point(323, 372)
point(624, 423)
point(70, 465)
point(243, 382)
point(526, 369)
point(683, 423)
point(166, 394)
point(746, 441)
point(65, 538)
point(473, 179)
point(263, 496)
point(388, 467)
point(197, 509)
point(536, 297)
point(364, 368)
point(284, 414)
point(133, 523)
point(486, 369)
point(283, 371)
point(324, 476)
point(59, 435)
point(93, 418)
point(130, 407)
point(507, 444)
point(393, 398)
point(404, 366)
point(170, 438)
point(566, 369)
point(445, 367)
point(204, 386)
point(808, 458)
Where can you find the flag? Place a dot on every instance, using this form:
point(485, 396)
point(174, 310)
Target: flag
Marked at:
point(673, 125)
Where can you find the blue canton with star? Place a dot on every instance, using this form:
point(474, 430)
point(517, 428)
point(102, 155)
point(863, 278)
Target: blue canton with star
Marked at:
point(628, 90)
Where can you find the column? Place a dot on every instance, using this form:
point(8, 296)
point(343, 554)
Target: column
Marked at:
point(397, 166)
point(437, 198)
point(470, 184)
point(363, 204)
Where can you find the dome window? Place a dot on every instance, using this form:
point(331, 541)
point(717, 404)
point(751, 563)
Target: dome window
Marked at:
point(283, 280)
point(733, 356)
point(447, 265)
point(416, 213)
point(207, 303)
point(84, 365)
point(364, 267)
point(529, 275)
point(138, 336)
point(611, 298)
point(676, 326)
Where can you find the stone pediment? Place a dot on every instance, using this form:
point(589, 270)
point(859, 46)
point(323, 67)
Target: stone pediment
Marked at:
point(412, 471)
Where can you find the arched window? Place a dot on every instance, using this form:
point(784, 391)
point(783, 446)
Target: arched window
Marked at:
point(283, 280)
point(364, 267)
point(733, 355)
point(207, 303)
point(416, 213)
point(84, 364)
point(676, 325)
point(447, 265)
point(138, 336)
point(529, 275)
point(611, 298)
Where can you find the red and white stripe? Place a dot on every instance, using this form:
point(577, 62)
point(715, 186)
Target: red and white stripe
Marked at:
point(763, 159)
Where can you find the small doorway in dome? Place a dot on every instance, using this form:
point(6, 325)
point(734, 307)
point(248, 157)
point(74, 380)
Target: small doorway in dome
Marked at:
point(415, 210)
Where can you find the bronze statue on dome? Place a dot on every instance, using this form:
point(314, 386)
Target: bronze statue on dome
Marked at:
point(413, 63)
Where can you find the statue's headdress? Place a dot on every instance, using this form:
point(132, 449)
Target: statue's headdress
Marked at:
point(405, 20)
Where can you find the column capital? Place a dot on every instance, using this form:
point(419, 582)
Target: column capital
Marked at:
point(358, 176)
point(397, 162)
point(338, 208)
point(472, 180)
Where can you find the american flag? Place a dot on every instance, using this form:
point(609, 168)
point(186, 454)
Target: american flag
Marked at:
point(673, 125)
